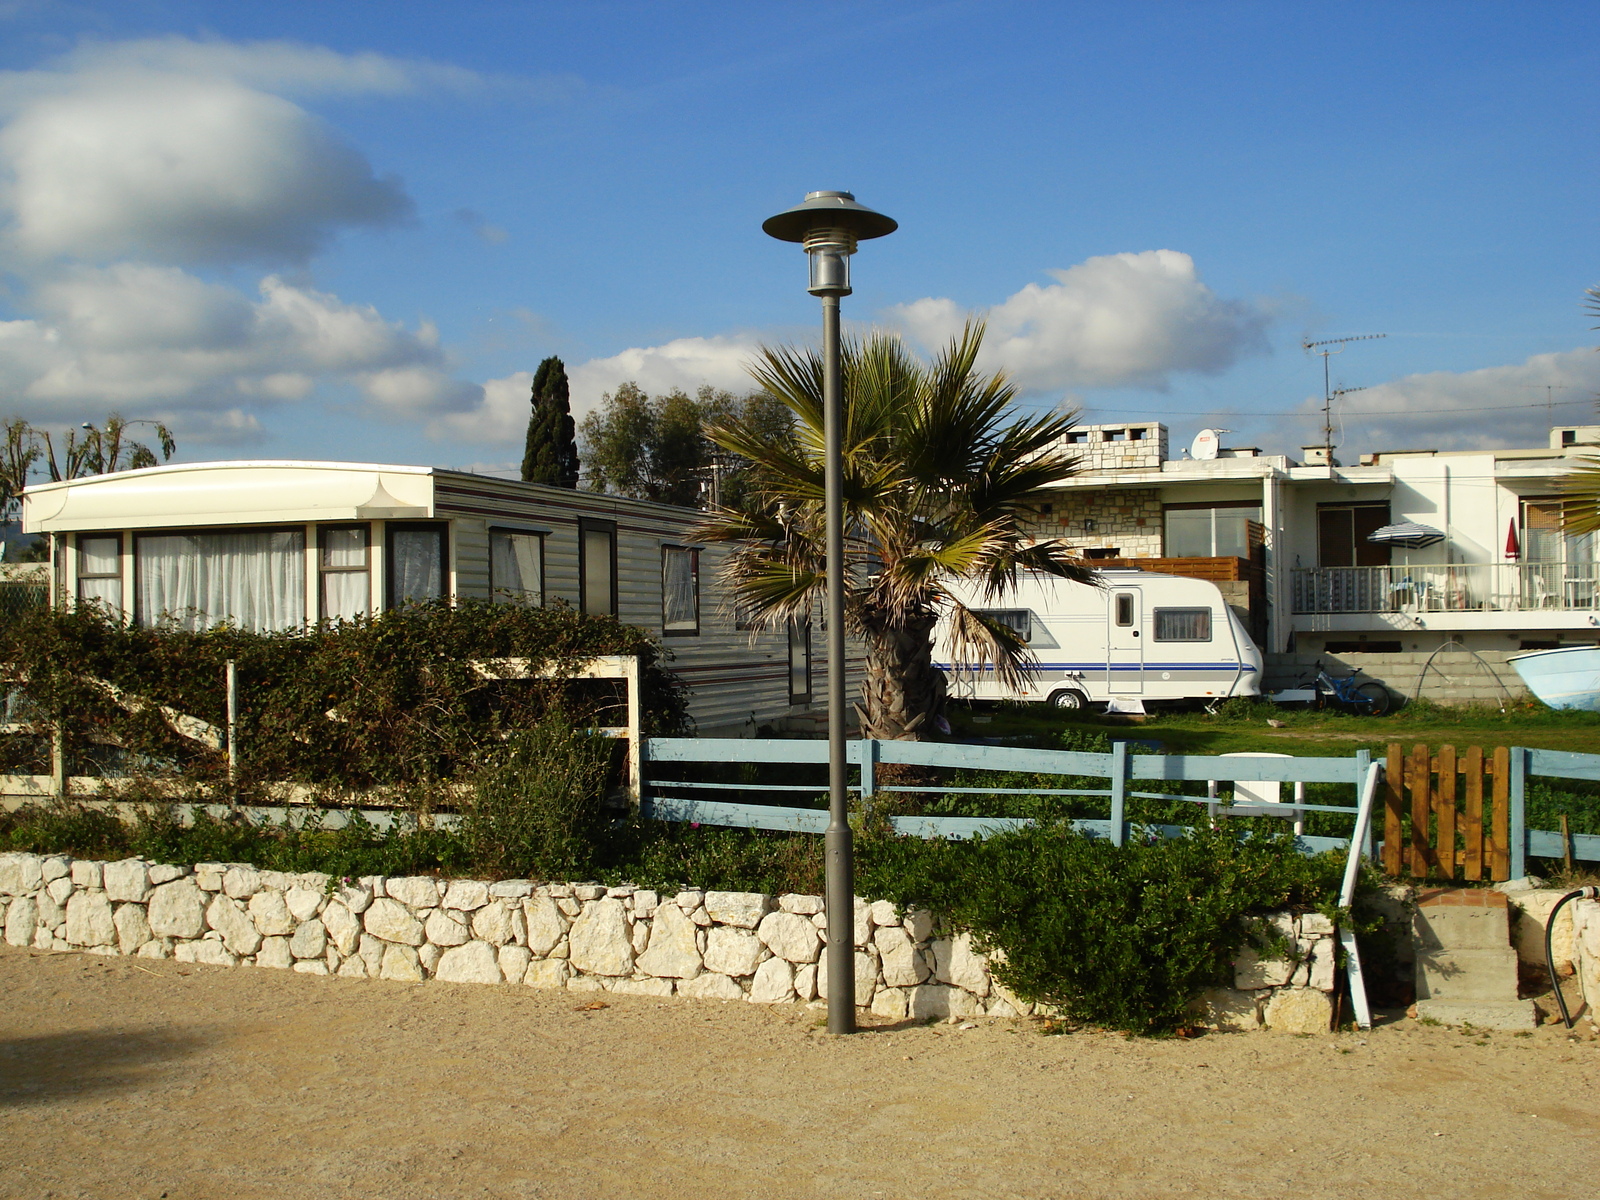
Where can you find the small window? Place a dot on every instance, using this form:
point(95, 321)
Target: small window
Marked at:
point(1015, 619)
point(1114, 435)
point(416, 564)
point(597, 567)
point(1183, 624)
point(799, 661)
point(516, 567)
point(1137, 435)
point(346, 571)
point(100, 570)
point(1078, 437)
point(1124, 609)
point(680, 591)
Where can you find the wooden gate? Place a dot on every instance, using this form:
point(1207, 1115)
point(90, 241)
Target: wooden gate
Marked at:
point(1456, 822)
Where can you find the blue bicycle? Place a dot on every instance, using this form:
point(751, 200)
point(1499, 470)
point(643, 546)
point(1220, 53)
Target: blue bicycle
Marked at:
point(1364, 699)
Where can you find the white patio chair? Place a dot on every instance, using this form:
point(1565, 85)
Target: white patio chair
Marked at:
point(1260, 797)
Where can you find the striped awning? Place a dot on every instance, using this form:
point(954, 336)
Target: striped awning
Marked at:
point(1406, 533)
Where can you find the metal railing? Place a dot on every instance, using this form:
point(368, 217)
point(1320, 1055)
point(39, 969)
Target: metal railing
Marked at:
point(1455, 587)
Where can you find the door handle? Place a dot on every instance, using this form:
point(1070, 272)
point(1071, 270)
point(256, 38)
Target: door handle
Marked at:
point(1135, 633)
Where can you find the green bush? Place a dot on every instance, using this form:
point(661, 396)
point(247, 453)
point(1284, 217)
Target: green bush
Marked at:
point(1121, 937)
point(386, 700)
point(537, 811)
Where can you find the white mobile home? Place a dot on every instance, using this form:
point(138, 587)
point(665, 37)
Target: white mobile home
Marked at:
point(1146, 637)
point(277, 545)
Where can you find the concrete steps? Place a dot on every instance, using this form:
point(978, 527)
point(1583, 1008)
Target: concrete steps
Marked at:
point(1466, 967)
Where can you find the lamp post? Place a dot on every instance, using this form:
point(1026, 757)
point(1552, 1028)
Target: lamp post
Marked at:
point(828, 225)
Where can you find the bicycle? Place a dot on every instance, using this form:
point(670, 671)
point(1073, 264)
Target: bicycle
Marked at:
point(1364, 699)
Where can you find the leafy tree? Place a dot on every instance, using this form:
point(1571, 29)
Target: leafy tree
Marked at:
point(551, 454)
point(939, 486)
point(88, 450)
point(657, 448)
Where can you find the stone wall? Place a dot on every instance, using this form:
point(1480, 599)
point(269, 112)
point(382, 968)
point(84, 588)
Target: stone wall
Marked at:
point(1455, 677)
point(1128, 518)
point(583, 937)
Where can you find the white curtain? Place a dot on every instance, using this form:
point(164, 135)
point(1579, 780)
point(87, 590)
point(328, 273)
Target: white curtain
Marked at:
point(680, 607)
point(416, 566)
point(346, 590)
point(254, 580)
point(100, 571)
point(514, 567)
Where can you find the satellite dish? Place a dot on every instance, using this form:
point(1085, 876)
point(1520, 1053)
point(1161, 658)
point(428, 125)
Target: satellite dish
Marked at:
point(1205, 444)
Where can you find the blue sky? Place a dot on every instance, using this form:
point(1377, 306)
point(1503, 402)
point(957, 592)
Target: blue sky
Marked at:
point(352, 230)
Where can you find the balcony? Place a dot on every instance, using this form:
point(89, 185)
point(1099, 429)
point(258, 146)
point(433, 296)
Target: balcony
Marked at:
point(1453, 588)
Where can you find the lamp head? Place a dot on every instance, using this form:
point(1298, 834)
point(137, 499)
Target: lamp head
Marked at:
point(828, 225)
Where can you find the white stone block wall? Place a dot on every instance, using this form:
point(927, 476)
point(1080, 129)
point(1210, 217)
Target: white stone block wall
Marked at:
point(583, 937)
point(1586, 949)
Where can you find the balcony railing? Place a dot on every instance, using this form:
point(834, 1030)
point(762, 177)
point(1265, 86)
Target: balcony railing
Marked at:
point(1458, 587)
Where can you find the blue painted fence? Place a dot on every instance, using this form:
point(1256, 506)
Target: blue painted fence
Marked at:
point(681, 800)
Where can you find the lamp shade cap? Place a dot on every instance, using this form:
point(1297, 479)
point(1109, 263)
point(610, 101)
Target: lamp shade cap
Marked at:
point(835, 210)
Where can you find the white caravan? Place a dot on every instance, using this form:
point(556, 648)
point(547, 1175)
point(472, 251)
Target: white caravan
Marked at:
point(1142, 637)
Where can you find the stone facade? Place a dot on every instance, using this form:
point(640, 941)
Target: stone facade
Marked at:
point(584, 937)
point(1138, 445)
point(1127, 519)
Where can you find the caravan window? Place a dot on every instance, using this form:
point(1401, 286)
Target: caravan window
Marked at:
point(1183, 624)
point(255, 580)
point(346, 586)
point(516, 567)
point(680, 590)
point(1124, 616)
point(416, 564)
point(100, 569)
point(1012, 618)
point(597, 567)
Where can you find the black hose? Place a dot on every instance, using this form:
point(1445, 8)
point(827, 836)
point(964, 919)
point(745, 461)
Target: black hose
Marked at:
point(1583, 893)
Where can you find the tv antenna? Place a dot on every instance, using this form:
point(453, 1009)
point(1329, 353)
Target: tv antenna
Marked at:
point(1327, 349)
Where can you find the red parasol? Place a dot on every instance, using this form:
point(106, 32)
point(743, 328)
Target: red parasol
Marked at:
point(1513, 549)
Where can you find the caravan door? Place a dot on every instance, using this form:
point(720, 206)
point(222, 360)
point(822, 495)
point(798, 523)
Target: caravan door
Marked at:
point(1124, 644)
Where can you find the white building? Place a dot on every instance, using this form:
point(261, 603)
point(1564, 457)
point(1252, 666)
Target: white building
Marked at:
point(1290, 538)
point(278, 545)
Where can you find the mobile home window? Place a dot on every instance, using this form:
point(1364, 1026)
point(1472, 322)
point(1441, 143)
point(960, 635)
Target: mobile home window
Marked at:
point(1015, 619)
point(597, 567)
point(254, 579)
point(799, 661)
point(345, 563)
point(1183, 624)
point(516, 567)
point(100, 569)
point(1124, 609)
point(415, 558)
point(680, 590)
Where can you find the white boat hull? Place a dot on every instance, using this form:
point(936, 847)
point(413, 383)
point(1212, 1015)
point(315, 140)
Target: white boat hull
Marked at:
point(1565, 678)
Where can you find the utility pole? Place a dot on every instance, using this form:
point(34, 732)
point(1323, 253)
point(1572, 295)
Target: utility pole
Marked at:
point(1325, 349)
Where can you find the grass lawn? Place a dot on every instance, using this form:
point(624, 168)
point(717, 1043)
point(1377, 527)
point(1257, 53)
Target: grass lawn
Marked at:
point(1243, 726)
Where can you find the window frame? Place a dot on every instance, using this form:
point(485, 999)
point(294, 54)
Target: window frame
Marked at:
point(495, 596)
point(135, 609)
point(81, 574)
point(441, 529)
point(694, 576)
point(1186, 609)
point(1000, 617)
point(324, 569)
point(586, 526)
point(1122, 610)
point(1212, 507)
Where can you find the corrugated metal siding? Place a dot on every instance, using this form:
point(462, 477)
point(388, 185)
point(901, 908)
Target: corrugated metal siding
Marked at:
point(732, 681)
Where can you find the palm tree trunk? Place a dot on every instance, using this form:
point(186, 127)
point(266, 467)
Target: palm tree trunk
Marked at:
point(903, 692)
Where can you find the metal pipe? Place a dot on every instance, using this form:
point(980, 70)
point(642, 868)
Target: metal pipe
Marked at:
point(839, 851)
point(233, 723)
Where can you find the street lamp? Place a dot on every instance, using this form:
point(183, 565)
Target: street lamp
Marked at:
point(828, 225)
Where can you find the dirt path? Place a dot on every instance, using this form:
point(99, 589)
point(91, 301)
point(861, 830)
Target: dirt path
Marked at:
point(151, 1079)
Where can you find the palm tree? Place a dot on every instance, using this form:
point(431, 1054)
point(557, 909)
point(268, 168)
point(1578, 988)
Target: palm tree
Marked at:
point(1581, 512)
point(939, 486)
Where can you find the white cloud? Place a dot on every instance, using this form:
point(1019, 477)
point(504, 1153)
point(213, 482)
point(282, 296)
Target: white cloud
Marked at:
point(684, 363)
point(145, 338)
point(178, 169)
point(500, 417)
point(1468, 410)
point(1115, 320)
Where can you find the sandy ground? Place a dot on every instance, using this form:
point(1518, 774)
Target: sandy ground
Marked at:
point(155, 1079)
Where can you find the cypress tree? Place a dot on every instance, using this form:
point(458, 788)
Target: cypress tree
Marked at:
point(551, 455)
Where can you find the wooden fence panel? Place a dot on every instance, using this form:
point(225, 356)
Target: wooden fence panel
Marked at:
point(1448, 834)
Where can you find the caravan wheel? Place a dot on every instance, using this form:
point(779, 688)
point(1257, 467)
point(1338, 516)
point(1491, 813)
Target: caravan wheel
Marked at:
point(1068, 700)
